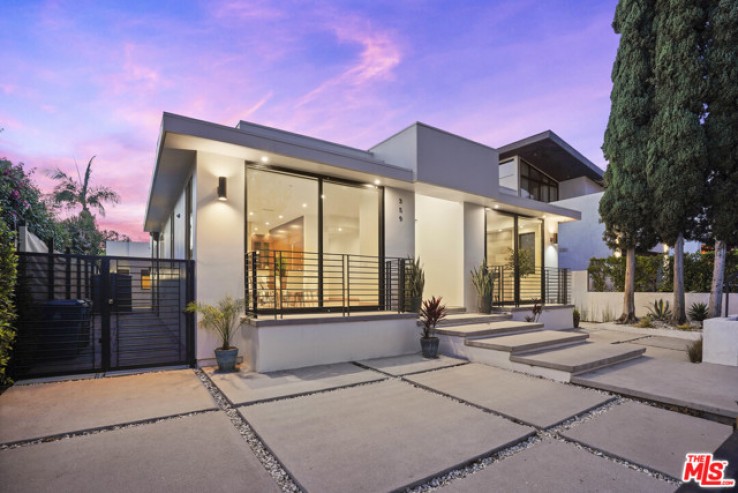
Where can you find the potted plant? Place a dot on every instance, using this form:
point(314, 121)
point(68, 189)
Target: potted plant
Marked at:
point(222, 319)
point(414, 285)
point(431, 313)
point(483, 283)
point(576, 317)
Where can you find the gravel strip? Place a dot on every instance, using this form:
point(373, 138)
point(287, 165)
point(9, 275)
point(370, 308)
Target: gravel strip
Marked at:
point(270, 463)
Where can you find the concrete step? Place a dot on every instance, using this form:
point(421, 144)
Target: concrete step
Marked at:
point(518, 343)
point(473, 318)
point(454, 310)
point(504, 328)
point(581, 358)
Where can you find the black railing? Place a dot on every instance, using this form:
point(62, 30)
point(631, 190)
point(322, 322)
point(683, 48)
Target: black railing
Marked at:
point(550, 284)
point(280, 282)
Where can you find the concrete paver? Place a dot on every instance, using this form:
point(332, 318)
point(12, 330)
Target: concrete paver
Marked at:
point(377, 437)
point(248, 387)
point(581, 357)
point(663, 342)
point(34, 411)
point(611, 336)
point(412, 363)
point(670, 354)
point(557, 467)
point(650, 437)
point(703, 387)
point(532, 400)
point(194, 453)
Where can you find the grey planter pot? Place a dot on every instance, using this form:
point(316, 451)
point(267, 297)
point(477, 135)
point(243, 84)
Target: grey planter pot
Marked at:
point(429, 347)
point(226, 359)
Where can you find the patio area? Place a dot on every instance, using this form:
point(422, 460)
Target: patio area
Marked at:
point(388, 424)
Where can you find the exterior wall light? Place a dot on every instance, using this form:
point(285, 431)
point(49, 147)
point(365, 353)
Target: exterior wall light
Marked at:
point(222, 188)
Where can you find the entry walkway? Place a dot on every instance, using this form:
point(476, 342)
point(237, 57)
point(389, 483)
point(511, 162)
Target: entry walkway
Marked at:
point(381, 425)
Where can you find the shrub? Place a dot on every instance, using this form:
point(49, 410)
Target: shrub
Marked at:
point(220, 318)
point(431, 313)
point(645, 322)
point(698, 312)
point(414, 284)
point(660, 310)
point(685, 326)
point(482, 279)
point(694, 351)
point(576, 317)
point(8, 272)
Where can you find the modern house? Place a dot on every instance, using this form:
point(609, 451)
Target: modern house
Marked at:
point(302, 226)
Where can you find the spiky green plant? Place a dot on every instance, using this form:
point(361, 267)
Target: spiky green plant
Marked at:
point(414, 284)
point(660, 310)
point(220, 318)
point(483, 281)
point(431, 313)
point(698, 312)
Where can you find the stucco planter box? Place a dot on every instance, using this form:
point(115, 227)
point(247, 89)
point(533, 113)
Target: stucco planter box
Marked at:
point(720, 341)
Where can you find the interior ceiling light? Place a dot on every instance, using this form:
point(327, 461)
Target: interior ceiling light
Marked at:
point(377, 182)
point(267, 223)
point(280, 216)
point(497, 206)
point(304, 205)
point(264, 159)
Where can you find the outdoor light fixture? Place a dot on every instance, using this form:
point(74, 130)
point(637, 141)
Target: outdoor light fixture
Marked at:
point(377, 182)
point(222, 188)
point(554, 239)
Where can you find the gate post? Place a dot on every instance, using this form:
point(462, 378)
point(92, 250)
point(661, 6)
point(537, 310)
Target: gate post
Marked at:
point(105, 300)
point(190, 317)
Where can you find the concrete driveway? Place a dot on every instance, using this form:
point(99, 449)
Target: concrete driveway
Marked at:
point(424, 425)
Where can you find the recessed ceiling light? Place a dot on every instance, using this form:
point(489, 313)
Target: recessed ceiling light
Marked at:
point(377, 182)
point(280, 216)
point(497, 206)
point(304, 205)
point(251, 213)
point(267, 223)
point(264, 159)
point(256, 229)
point(543, 216)
point(340, 229)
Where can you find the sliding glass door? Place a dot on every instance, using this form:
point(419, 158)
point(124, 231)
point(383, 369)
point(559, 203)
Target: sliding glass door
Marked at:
point(515, 253)
point(317, 241)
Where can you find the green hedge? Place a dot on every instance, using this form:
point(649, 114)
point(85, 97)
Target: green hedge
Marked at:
point(654, 273)
point(8, 265)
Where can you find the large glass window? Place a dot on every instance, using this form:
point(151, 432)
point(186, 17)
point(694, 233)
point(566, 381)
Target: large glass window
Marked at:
point(515, 255)
point(300, 263)
point(537, 186)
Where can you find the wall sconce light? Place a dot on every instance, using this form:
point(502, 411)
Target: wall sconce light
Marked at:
point(555, 239)
point(222, 188)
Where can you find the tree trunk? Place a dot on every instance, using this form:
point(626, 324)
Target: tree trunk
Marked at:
point(679, 313)
point(628, 316)
point(715, 306)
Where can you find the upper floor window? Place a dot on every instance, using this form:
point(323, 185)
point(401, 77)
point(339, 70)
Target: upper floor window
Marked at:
point(537, 186)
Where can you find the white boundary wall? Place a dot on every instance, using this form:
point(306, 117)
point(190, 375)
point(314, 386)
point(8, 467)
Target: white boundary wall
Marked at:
point(281, 347)
point(607, 306)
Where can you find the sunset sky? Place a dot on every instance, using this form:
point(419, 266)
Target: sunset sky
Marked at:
point(82, 78)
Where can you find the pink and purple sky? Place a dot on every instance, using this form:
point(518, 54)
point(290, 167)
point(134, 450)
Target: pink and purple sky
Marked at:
point(92, 77)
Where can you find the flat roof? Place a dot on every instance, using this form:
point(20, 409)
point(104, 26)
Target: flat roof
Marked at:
point(552, 155)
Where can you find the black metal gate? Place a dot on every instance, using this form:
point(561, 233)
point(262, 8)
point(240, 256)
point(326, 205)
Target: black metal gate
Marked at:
point(79, 314)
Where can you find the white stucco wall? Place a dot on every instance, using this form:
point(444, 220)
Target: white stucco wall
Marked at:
point(141, 249)
point(219, 239)
point(577, 186)
point(474, 219)
point(581, 240)
point(439, 242)
point(399, 223)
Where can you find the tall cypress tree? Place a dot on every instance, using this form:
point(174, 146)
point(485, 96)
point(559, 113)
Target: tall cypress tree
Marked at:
point(625, 207)
point(677, 155)
point(721, 130)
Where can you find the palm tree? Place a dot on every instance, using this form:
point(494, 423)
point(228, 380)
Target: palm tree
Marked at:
point(79, 192)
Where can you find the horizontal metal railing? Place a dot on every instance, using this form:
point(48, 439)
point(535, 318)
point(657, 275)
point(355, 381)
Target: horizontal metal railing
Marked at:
point(550, 284)
point(279, 282)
